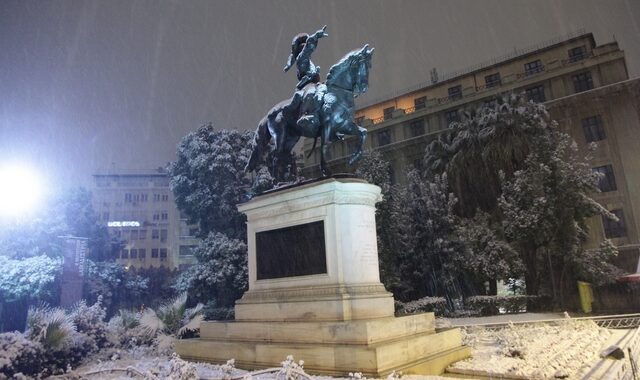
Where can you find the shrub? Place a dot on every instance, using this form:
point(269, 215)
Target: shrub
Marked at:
point(89, 321)
point(19, 355)
point(172, 318)
point(437, 305)
point(491, 305)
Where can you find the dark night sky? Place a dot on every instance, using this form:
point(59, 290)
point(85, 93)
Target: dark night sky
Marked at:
point(86, 85)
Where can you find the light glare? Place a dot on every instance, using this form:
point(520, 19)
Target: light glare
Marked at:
point(20, 190)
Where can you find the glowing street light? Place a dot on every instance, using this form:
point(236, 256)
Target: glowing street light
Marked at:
point(20, 190)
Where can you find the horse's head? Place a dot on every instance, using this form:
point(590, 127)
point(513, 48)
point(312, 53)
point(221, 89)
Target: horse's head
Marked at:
point(352, 71)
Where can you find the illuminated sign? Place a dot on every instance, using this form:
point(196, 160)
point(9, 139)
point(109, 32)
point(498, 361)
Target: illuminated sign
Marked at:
point(123, 224)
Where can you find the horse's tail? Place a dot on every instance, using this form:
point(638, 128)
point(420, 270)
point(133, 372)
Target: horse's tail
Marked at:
point(260, 144)
point(315, 140)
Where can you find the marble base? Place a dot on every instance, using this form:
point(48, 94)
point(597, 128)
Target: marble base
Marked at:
point(374, 347)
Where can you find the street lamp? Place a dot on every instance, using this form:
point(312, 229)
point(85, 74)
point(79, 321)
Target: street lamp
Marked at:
point(20, 190)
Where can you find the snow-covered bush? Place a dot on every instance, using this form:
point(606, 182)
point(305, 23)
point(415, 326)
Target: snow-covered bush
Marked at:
point(491, 305)
point(19, 354)
point(89, 321)
point(437, 305)
point(172, 319)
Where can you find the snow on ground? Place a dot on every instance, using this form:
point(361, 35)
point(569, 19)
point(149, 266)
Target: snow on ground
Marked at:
point(568, 348)
point(564, 350)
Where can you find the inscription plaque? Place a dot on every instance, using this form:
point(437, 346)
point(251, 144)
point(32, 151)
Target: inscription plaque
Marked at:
point(291, 251)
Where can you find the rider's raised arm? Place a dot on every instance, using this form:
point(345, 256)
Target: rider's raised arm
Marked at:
point(311, 44)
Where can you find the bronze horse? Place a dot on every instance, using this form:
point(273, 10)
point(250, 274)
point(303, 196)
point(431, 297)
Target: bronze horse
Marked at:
point(319, 110)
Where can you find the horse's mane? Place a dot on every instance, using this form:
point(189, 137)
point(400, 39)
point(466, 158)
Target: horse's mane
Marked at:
point(340, 65)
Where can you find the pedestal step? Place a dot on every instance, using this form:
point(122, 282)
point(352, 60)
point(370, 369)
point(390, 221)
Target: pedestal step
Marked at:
point(374, 347)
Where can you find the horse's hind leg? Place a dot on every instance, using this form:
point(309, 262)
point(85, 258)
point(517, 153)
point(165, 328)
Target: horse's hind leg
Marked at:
point(324, 152)
point(362, 132)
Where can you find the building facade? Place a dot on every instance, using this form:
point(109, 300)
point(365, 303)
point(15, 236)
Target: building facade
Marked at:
point(586, 88)
point(138, 207)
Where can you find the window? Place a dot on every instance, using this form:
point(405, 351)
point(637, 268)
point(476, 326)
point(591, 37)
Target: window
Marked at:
point(134, 253)
point(124, 254)
point(164, 215)
point(607, 180)
point(165, 197)
point(577, 53)
point(185, 250)
point(163, 253)
point(156, 197)
point(452, 116)
point(492, 80)
point(416, 128)
point(533, 67)
point(142, 234)
point(420, 103)
point(154, 253)
point(163, 235)
point(134, 234)
point(155, 234)
point(582, 82)
point(613, 229)
point(593, 130)
point(455, 92)
point(536, 94)
point(128, 197)
point(384, 137)
point(388, 112)
point(142, 253)
point(156, 216)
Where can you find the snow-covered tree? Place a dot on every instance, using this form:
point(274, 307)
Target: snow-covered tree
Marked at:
point(486, 254)
point(545, 207)
point(425, 245)
point(208, 179)
point(221, 274)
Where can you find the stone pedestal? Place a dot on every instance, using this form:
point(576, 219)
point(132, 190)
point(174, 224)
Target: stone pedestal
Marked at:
point(315, 292)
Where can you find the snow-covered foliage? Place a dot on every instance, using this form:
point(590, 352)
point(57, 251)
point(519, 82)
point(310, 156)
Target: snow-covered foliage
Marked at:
point(116, 286)
point(545, 207)
point(32, 277)
point(90, 321)
point(172, 318)
point(486, 254)
point(19, 354)
point(221, 273)
point(437, 305)
point(427, 251)
point(208, 179)
point(491, 305)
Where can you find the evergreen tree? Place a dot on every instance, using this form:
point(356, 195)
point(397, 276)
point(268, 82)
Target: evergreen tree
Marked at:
point(208, 179)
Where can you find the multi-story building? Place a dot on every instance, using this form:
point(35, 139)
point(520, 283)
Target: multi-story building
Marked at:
point(138, 207)
point(586, 88)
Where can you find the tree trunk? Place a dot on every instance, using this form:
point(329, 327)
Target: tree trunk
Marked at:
point(531, 274)
point(493, 287)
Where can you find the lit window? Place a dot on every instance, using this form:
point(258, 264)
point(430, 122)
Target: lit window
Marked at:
point(607, 180)
point(613, 229)
point(593, 129)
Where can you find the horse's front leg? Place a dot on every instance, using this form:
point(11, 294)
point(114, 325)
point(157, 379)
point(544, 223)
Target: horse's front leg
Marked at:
point(362, 134)
point(325, 144)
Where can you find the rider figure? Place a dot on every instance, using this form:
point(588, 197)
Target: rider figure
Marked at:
point(302, 46)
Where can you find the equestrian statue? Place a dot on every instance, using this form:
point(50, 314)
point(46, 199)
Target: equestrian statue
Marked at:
point(323, 110)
